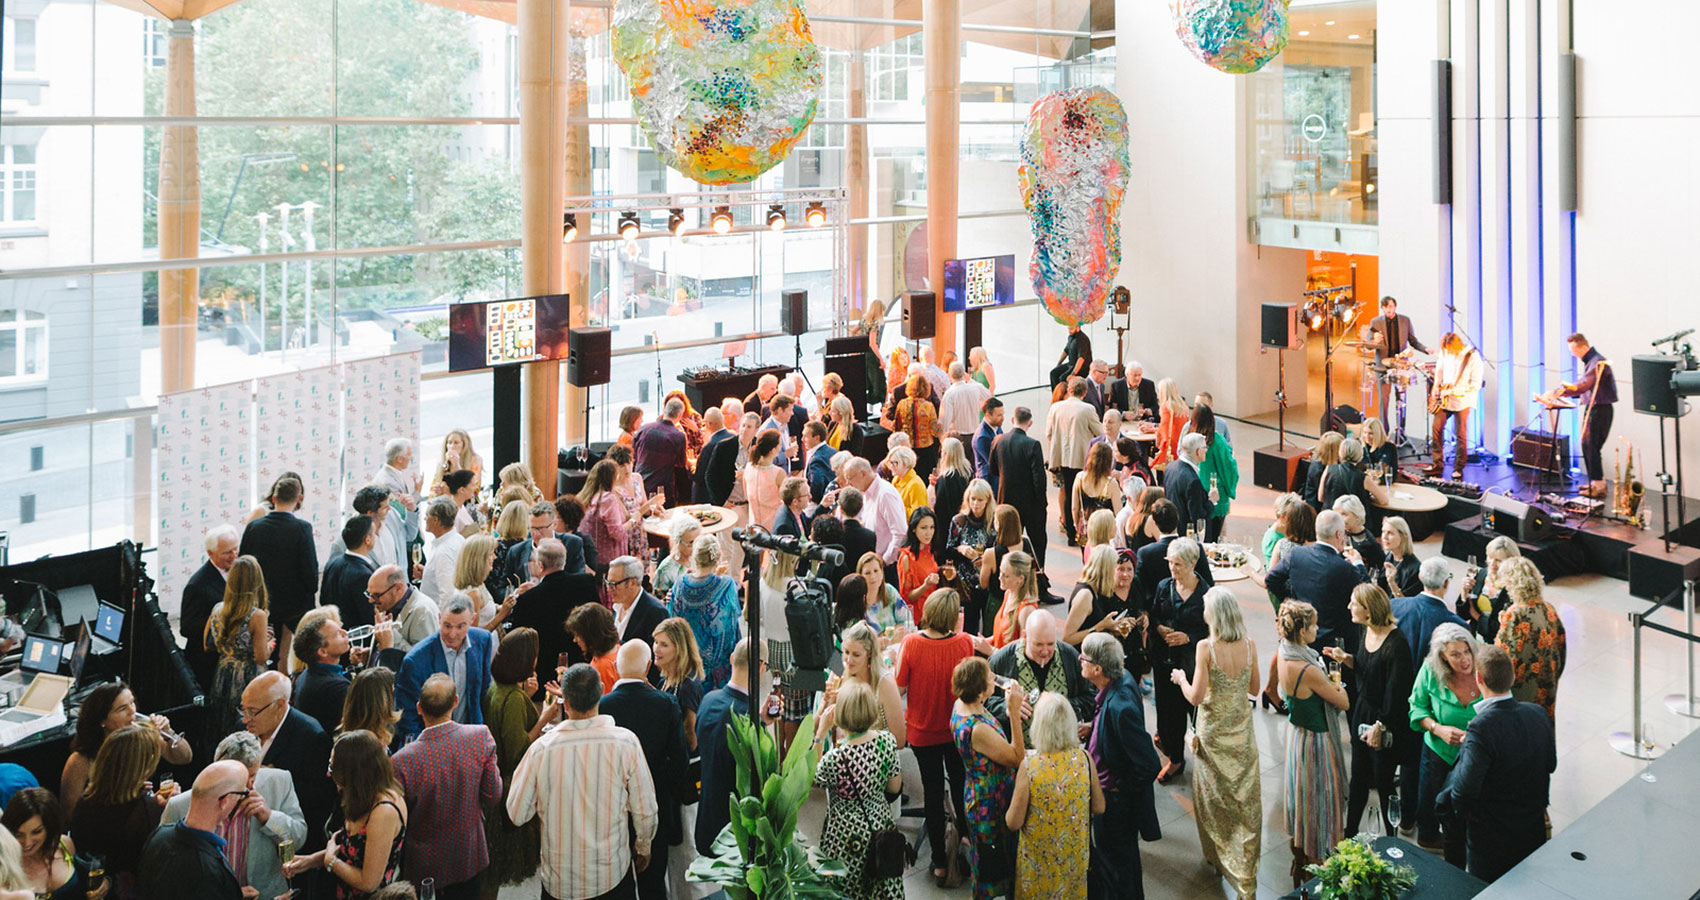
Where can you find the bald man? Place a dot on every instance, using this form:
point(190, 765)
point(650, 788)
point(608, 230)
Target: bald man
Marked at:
point(412, 616)
point(1040, 661)
point(660, 727)
point(187, 858)
point(448, 775)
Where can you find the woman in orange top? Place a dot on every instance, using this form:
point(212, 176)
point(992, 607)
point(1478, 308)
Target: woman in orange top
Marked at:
point(592, 627)
point(1175, 413)
point(1019, 581)
point(917, 569)
point(897, 370)
point(917, 417)
point(631, 419)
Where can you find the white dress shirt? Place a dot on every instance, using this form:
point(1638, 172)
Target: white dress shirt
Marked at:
point(456, 660)
point(959, 412)
point(583, 779)
point(882, 513)
point(438, 582)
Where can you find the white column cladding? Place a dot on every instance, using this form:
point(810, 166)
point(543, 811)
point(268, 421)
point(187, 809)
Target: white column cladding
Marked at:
point(1530, 342)
point(1467, 179)
point(1495, 201)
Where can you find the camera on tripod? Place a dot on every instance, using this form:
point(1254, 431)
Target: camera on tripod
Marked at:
point(808, 603)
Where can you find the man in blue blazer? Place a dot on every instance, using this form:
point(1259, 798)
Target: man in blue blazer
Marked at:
point(1499, 784)
point(1127, 765)
point(1323, 574)
point(818, 456)
point(459, 650)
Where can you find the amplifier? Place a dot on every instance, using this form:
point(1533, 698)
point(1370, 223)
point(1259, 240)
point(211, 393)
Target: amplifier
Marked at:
point(1515, 519)
point(1539, 450)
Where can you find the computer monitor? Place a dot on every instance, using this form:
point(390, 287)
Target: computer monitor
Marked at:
point(109, 624)
point(42, 654)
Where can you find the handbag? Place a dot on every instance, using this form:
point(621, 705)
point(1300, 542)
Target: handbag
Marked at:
point(888, 854)
point(994, 858)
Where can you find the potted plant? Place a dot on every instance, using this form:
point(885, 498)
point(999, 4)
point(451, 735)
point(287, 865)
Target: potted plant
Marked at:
point(758, 854)
point(1357, 872)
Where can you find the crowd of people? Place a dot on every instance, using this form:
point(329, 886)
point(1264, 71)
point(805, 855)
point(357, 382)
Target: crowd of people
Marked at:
point(483, 686)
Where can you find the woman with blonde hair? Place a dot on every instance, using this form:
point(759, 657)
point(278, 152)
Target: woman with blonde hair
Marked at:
point(1173, 415)
point(707, 601)
point(1325, 454)
point(238, 631)
point(1316, 764)
point(1378, 450)
point(370, 705)
point(118, 811)
point(777, 570)
point(1399, 573)
point(1484, 596)
point(842, 417)
point(13, 884)
point(513, 526)
point(1096, 489)
point(1227, 789)
point(1379, 723)
point(861, 654)
point(518, 474)
point(1532, 635)
point(980, 369)
point(872, 324)
point(1018, 579)
point(679, 661)
point(1056, 794)
point(473, 567)
point(968, 540)
point(858, 774)
point(1092, 597)
point(949, 487)
point(458, 454)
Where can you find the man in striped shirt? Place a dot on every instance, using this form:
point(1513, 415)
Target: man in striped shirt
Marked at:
point(587, 779)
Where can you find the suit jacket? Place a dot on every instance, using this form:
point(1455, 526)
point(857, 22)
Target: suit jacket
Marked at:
point(303, 749)
point(517, 564)
point(1182, 485)
point(545, 608)
point(1128, 752)
point(448, 776)
point(719, 771)
point(1097, 395)
point(426, 659)
point(858, 539)
point(1007, 661)
point(1069, 429)
point(265, 866)
point(984, 437)
point(1419, 616)
point(707, 463)
point(1319, 575)
point(1018, 463)
point(655, 718)
point(1399, 330)
point(283, 546)
point(647, 612)
point(319, 692)
point(204, 591)
point(658, 456)
point(1151, 566)
point(344, 586)
point(786, 522)
point(819, 471)
point(1122, 399)
point(1499, 784)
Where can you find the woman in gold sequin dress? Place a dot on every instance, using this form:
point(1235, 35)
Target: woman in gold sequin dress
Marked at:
point(1056, 795)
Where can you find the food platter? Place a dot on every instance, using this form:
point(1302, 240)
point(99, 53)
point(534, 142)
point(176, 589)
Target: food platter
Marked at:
point(713, 519)
point(1227, 561)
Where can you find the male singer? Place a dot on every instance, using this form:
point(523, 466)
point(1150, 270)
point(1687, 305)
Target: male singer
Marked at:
point(1457, 381)
point(1598, 391)
point(1392, 335)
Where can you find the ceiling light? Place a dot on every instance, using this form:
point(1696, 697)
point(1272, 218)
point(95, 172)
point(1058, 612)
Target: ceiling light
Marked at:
point(1351, 37)
point(815, 216)
point(1369, 188)
point(629, 227)
point(721, 221)
point(675, 221)
point(1304, 34)
point(1329, 22)
point(569, 228)
point(776, 216)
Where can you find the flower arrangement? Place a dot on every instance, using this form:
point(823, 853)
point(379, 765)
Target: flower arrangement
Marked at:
point(1357, 872)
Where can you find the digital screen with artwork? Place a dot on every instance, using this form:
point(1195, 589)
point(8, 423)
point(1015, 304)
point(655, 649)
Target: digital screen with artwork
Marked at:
point(506, 332)
point(979, 283)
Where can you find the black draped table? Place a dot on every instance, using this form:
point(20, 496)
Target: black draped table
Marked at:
point(1436, 878)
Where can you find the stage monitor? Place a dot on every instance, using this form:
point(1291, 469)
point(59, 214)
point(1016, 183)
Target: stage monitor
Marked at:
point(980, 283)
point(505, 332)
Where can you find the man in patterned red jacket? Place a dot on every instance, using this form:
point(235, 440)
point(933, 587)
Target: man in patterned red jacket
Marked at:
point(448, 775)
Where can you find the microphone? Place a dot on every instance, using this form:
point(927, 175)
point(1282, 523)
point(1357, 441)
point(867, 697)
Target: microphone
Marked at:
point(1675, 337)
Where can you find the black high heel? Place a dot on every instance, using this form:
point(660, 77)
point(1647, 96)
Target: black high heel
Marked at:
point(1276, 704)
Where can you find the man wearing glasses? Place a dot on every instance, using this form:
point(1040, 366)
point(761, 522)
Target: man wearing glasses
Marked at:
point(258, 820)
point(292, 741)
point(411, 615)
point(544, 602)
point(188, 858)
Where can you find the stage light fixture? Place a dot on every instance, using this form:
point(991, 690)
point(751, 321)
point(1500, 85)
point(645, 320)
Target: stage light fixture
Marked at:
point(569, 228)
point(721, 221)
point(629, 227)
point(675, 221)
point(816, 214)
point(776, 216)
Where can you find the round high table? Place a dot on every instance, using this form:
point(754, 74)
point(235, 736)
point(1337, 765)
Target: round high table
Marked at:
point(661, 526)
point(1418, 505)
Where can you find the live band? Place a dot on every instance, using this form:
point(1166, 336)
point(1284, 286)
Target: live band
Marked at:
point(1455, 380)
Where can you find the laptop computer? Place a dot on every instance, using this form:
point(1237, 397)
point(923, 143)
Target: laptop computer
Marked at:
point(41, 707)
point(77, 653)
point(108, 628)
point(77, 603)
point(42, 654)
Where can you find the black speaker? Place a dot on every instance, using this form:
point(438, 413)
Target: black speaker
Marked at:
point(1339, 417)
point(587, 356)
point(918, 308)
point(1280, 326)
point(794, 311)
point(1650, 377)
point(1533, 448)
point(1276, 467)
point(1515, 519)
point(844, 359)
point(1441, 101)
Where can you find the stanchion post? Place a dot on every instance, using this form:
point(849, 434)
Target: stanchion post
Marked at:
point(1687, 704)
point(1631, 744)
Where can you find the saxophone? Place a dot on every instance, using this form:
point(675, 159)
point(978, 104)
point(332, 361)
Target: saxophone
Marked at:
point(1630, 491)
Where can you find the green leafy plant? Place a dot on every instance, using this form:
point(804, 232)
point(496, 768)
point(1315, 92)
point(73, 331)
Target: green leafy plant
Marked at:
point(758, 853)
point(1357, 872)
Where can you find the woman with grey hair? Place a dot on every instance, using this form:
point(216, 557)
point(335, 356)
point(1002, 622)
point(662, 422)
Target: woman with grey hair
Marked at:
point(1443, 701)
point(1227, 790)
point(682, 535)
point(1347, 477)
point(1363, 540)
point(1177, 615)
point(1056, 793)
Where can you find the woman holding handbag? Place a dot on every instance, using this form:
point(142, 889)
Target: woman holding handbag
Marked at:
point(860, 775)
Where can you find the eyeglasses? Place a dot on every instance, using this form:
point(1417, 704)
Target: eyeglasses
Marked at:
point(614, 584)
point(373, 596)
point(255, 713)
point(239, 795)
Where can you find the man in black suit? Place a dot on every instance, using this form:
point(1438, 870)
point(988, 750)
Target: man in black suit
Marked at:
point(290, 740)
point(1135, 388)
point(715, 432)
point(1323, 574)
point(283, 546)
point(1151, 563)
point(545, 602)
point(204, 591)
point(817, 460)
point(1098, 388)
point(1392, 335)
point(1499, 784)
point(346, 575)
point(1018, 463)
point(720, 482)
point(544, 522)
point(321, 688)
point(858, 538)
point(1192, 497)
point(660, 728)
point(636, 611)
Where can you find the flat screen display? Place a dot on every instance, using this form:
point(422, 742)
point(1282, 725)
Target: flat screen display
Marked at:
point(979, 283)
point(507, 332)
point(110, 624)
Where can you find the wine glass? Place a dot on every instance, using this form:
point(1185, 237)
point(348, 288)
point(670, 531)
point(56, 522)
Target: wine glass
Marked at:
point(427, 889)
point(1395, 812)
point(1373, 829)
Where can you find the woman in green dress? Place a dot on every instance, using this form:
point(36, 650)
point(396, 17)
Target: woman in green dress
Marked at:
point(515, 723)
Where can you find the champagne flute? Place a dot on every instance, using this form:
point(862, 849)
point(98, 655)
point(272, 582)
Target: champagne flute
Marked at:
point(1395, 812)
point(427, 889)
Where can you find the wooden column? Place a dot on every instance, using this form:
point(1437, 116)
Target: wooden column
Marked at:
point(941, 23)
point(179, 215)
point(542, 107)
point(856, 178)
point(576, 170)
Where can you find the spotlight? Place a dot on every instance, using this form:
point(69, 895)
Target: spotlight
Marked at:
point(776, 217)
point(815, 216)
point(1343, 311)
point(569, 228)
point(675, 221)
point(721, 221)
point(1316, 314)
point(629, 227)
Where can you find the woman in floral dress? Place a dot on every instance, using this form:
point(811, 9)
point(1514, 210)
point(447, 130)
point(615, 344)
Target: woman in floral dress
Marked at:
point(990, 762)
point(1532, 635)
point(1056, 794)
point(858, 775)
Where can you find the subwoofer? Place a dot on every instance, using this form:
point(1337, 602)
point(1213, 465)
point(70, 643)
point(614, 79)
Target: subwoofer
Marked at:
point(1515, 519)
point(1651, 381)
point(794, 311)
point(587, 356)
point(918, 310)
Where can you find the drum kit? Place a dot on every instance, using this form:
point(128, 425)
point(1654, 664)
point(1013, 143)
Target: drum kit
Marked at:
point(1397, 374)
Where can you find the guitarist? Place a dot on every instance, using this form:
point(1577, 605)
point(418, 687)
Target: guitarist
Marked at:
point(1597, 389)
point(1457, 381)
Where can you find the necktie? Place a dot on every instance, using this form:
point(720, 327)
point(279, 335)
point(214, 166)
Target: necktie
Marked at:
point(1392, 335)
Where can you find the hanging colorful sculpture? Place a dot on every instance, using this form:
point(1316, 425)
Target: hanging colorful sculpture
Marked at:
point(1235, 36)
point(723, 88)
point(1074, 170)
